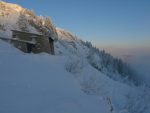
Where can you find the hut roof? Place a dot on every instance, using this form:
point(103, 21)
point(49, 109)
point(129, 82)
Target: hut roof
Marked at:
point(14, 39)
point(32, 34)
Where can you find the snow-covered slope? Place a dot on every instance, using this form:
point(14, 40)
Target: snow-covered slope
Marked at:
point(75, 48)
point(32, 83)
point(40, 84)
point(78, 79)
point(13, 16)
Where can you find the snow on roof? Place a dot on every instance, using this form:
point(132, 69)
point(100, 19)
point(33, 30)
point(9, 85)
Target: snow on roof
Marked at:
point(32, 34)
point(15, 39)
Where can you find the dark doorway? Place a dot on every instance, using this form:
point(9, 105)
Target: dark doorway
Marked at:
point(29, 48)
point(51, 45)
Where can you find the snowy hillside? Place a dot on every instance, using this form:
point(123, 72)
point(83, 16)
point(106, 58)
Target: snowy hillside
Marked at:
point(15, 17)
point(40, 84)
point(79, 78)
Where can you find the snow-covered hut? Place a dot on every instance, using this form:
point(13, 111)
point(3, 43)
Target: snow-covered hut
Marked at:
point(30, 42)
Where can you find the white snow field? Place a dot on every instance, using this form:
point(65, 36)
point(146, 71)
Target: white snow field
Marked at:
point(40, 84)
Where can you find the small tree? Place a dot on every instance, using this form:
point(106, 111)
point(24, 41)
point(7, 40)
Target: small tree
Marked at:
point(23, 22)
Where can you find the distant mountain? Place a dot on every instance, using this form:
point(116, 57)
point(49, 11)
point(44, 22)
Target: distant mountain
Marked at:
point(79, 78)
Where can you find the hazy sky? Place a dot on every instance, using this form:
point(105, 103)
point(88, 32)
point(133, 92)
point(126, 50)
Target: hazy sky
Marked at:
point(119, 23)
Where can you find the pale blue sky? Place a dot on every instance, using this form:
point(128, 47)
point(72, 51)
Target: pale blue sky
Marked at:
point(120, 23)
